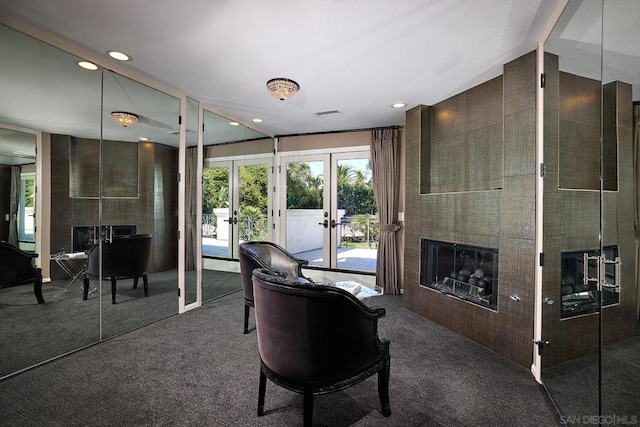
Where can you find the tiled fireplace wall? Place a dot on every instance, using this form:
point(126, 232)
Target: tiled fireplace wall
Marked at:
point(470, 179)
point(471, 175)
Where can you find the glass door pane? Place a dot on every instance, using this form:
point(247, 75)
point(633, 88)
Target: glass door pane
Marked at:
point(358, 227)
point(305, 211)
point(216, 209)
point(254, 203)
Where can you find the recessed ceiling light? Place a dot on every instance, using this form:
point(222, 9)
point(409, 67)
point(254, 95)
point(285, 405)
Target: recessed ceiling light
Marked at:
point(398, 105)
point(142, 138)
point(120, 56)
point(257, 120)
point(234, 123)
point(87, 65)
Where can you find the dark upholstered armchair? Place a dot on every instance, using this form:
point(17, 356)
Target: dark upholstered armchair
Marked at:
point(259, 254)
point(316, 339)
point(125, 257)
point(16, 268)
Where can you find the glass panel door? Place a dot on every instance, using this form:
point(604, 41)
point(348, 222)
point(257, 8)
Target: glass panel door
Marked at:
point(328, 210)
point(236, 205)
point(216, 209)
point(304, 211)
point(253, 201)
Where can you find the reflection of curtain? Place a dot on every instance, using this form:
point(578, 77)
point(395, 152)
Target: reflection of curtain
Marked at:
point(385, 171)
point(190, 209)
point(636, 184)
point(13, 208)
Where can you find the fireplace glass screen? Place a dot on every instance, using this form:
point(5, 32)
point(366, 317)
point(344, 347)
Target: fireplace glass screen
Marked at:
point(579, 297)
point(467, 272)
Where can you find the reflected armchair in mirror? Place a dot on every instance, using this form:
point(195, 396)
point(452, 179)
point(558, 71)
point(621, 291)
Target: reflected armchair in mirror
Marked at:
point(261, 254)
point(16, 268)
point(126, 257)
point(316, 339)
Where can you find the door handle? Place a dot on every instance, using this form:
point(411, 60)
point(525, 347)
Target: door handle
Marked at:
point(333, 223)
point(325, 224)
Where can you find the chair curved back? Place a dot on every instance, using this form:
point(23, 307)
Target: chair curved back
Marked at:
point(16, 268)
point(15, 265)
point(315, 334)
point(124, 257)
point(269, 255)
point(316, 339)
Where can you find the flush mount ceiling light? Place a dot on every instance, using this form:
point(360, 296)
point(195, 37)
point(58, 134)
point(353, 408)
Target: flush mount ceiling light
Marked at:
point(398, 105)
point(120, 56)
point(87, 65)
point(124, 119)
point(282, 88)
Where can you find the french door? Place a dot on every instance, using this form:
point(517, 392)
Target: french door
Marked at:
point(237, 205)
point(327, 210)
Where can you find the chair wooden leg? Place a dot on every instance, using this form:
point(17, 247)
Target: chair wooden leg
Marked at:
point(246, 318)
point(145, 285)
point(307, 405)
point(383, 387)
point(113, 290)
point(85, 291)
point(135, 283)
point(37, 290)
point(261, 390)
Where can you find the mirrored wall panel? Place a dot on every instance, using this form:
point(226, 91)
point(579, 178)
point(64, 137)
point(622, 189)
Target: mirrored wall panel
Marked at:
point(191, 207)
point(44, 92)
point(108, 164)
point(139, 199)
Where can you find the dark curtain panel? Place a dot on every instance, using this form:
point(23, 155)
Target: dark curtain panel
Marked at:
point(385, 169)
point(191, 209)
point(15, 203)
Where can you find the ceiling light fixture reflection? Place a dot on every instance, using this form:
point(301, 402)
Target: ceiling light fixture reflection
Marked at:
point(124, 119)
point(398, 105)
point(120, 56)
point(234, 123)
point(256, 120)
point(143, 139)
point(282, 88)
point(87, 65)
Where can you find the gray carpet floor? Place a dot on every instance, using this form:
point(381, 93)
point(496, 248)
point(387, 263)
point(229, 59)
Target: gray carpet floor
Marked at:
point(199, 369)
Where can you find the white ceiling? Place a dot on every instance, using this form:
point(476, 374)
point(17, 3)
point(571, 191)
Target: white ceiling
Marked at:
point(356, 56)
